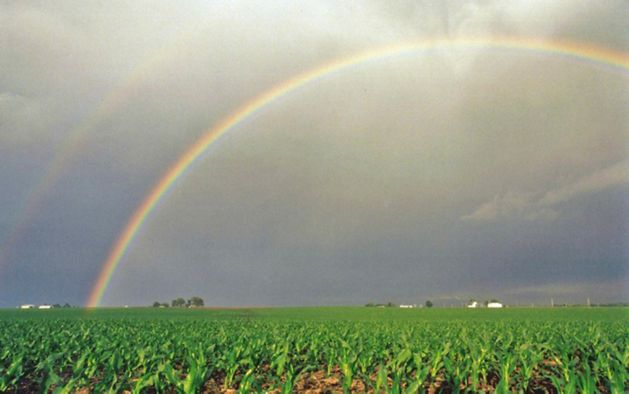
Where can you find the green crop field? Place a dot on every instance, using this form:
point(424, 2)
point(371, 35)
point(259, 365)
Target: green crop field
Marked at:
point(315, 350)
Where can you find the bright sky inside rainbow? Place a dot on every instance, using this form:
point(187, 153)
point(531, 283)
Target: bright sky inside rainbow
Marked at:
point(574, 50)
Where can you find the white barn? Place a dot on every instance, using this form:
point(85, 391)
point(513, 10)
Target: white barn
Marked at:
point(45, 307)
point(495, 305)
point(27, 306)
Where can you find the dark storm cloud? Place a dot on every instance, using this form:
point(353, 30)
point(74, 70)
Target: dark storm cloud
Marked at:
point(451, 174)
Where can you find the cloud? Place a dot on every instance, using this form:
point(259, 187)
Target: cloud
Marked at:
point(561, 291)
point(615, 175)
point(531, 206)
point(547, 289)
point(570, 288)
point(506, 205)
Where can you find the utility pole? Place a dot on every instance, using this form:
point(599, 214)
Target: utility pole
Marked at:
point(589, 304)
point(552, 302)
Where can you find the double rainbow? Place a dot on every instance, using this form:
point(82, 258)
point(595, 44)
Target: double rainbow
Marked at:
point(572, 50)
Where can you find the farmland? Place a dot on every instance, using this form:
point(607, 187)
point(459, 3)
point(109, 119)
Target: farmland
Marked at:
point(331, 349)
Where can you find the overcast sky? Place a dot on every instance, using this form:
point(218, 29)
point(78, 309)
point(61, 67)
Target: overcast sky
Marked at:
point(456, 173)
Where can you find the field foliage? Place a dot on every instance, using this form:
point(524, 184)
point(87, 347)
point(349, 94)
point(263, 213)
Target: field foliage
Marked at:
point(316, 349)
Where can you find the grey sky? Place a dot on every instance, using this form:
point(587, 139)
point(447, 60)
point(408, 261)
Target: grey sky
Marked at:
point(455, 173)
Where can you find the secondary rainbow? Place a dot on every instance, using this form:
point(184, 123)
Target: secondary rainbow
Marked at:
point(579, 51)
point(78, 137)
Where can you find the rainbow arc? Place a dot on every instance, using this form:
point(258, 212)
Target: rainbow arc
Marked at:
point(576, 51)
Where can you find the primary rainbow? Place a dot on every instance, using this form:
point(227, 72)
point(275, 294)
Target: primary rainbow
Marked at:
point(574, 50)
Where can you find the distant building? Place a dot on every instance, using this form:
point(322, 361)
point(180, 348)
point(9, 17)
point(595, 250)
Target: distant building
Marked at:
point(408, 306)
point(473, 304)
point(45, 306)
point(27, 306)
point(495, 305)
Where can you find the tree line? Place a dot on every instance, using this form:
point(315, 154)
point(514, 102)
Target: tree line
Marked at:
point(180, 302)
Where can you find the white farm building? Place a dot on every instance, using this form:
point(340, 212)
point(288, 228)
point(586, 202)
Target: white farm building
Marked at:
point(495, 305)
point(32, 306)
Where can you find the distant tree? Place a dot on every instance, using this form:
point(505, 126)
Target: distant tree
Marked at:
point(195, 301)
point(56, 306)
point(164, 305)
point(389, 304)
point(178, 302)
point(66, 305)
point(156, 304)
point(428, 304)
point(369, 304)
point(485, 302)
